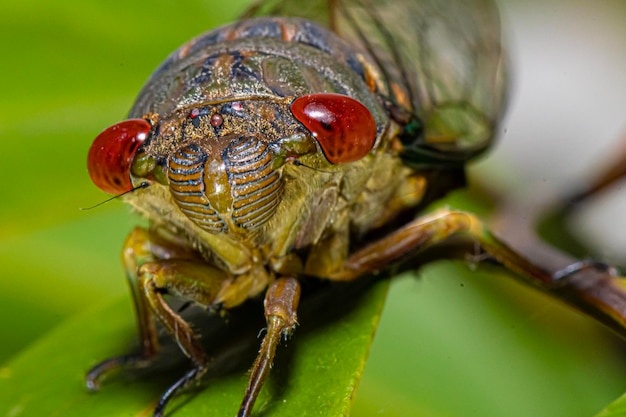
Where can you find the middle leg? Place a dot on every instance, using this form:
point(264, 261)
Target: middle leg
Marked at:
point(595, 292)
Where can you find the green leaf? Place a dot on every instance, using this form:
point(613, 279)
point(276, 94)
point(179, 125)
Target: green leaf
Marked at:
point(615, 409)
point(316, 372)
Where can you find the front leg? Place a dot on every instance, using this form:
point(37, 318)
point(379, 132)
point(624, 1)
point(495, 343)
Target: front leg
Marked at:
point(593, 291)
point(156, 266)
point(281, 303)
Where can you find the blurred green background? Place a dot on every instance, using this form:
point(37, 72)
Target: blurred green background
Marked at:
point(452, 343)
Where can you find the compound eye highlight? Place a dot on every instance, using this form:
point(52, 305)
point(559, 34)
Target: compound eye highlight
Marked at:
point(112, 152)
point(343, 126)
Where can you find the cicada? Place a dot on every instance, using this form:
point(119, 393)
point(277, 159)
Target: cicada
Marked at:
point(303, 142)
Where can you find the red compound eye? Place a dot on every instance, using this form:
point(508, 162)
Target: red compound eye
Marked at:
point(111, 155)
point(344, 128)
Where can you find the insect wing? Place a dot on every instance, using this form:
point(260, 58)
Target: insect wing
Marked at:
point(437, 63)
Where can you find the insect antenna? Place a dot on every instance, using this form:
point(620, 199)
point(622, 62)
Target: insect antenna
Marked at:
point(144, 184)
point(300, 164)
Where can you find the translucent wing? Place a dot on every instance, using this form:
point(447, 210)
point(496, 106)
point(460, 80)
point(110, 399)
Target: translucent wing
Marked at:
point(438, 64)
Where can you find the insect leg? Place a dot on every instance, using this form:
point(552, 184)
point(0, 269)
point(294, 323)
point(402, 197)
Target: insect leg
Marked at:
point(191, 279)
point(611, 173)
point(593, 291)
point(281, 303)
point(150, 276)
point(135, 252)
point(553, 219)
